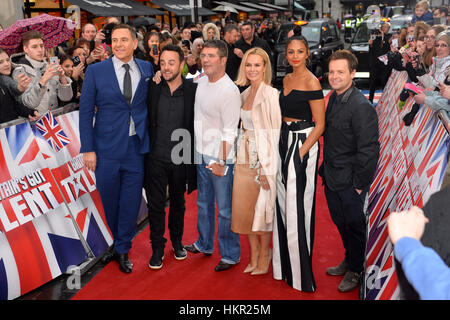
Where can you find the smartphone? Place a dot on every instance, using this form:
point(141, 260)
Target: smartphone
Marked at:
point(20, 70)
point(76, 61)
point(154, 49)
point(395, 43)
point(54, 60)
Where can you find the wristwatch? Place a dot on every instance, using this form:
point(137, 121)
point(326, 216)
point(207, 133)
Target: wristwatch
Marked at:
point(222, 162)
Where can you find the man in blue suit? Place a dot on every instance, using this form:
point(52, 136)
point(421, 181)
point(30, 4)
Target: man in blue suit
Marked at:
point(115, 145)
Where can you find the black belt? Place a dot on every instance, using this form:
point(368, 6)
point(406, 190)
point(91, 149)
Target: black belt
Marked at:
point(297, 125)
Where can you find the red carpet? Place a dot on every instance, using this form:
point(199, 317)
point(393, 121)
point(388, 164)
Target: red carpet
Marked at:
point(195, 279)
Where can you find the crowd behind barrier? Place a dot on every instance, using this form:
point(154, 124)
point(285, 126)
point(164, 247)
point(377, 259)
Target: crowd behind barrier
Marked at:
point(412, 165)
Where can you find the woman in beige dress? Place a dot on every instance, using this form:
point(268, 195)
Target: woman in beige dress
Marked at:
point(254, 185)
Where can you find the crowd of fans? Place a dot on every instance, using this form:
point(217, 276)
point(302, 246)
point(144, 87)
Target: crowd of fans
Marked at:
point(31, 82)
point(422, 49)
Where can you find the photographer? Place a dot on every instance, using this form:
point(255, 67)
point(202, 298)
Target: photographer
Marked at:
point(379, 44)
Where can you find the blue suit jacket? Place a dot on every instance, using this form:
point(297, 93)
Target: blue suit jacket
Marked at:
point(109, 136)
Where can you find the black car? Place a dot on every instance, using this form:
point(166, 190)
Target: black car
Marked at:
point(360, 42)
point(323, 38)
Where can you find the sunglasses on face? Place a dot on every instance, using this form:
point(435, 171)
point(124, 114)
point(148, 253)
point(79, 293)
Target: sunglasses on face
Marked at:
point(442, 45)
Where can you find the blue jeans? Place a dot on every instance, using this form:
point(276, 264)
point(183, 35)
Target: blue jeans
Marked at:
point(212, 188)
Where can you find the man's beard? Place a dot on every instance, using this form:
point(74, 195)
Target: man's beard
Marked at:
point(173, 77)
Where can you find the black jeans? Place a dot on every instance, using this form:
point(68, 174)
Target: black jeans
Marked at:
point(159, 175)
point(347, 212)
point(379, 76)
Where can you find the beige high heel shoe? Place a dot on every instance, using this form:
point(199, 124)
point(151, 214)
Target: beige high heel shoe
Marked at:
point(249, 268)
point(266, 266)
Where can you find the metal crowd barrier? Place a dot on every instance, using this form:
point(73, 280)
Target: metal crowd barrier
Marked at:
point(56, 112)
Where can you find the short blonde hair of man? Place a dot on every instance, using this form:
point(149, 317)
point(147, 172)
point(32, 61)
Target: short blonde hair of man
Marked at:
point(242, 79)
point(424, 4)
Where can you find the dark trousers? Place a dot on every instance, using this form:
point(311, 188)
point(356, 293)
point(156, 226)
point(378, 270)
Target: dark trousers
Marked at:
point(119, 182)
point(379, 75)
point(159, 175)
point(347, 212)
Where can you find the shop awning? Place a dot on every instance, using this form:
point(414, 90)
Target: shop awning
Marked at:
point(273, 6)
point(121, 8)
point(181, 7)
point(237, 7)
point(257, 6)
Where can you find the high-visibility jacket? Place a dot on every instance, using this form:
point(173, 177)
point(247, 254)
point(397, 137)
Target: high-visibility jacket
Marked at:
point(348, 23)
point(358, 21)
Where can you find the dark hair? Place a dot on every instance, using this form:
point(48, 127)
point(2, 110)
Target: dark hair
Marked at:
point(63, 57)
point(248, 23)
point(218, 44)
point(125, 26)
point(153, 28)
point(443, 9)
point(29, 35)
point(188, 25)
point(4, 51)
point(83, 41)
point(345, 55)
point(174, 48)
point(229, 28)
point(186, 43)
point(147, 37)
point(72, 50)
point(297, 36)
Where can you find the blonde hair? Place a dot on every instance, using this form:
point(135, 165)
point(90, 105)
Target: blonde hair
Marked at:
point(242, 79)
point(208, 26)
point(424, 4)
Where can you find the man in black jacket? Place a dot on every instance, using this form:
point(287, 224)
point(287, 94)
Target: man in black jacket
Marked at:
point(378, 46)
point(169, 163)
point(250, 40)
point(351, 151)
point(235, 55)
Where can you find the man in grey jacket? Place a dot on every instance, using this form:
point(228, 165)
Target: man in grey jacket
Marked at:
point(48, 80)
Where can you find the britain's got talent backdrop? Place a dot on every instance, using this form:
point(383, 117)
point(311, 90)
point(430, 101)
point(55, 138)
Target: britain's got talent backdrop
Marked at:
point(411, 167)
point(51, 215)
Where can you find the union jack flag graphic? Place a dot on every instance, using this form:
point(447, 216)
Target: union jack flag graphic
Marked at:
point(411, 167)
point(52, 132)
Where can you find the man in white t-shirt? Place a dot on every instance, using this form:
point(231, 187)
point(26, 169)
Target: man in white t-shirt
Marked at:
point(217, 106)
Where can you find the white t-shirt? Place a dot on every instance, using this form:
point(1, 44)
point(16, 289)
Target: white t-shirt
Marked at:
point(217, 107)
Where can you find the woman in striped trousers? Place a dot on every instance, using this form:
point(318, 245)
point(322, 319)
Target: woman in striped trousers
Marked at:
point(301, 101)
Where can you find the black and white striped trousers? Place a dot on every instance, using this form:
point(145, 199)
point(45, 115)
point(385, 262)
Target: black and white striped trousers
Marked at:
point(293, 233)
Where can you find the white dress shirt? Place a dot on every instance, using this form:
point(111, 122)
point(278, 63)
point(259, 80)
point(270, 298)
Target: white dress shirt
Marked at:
point(135, 74)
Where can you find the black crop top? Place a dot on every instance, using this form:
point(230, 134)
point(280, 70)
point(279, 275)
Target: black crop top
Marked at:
point(296, 103)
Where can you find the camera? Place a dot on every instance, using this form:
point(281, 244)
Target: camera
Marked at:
point(374, 33)
point(107, 30)
point(76, 61)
